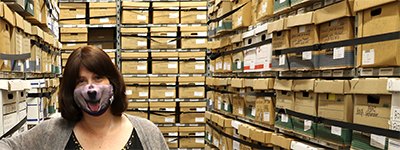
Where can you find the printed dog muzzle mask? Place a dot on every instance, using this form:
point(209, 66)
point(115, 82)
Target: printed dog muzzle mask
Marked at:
point(94, 99)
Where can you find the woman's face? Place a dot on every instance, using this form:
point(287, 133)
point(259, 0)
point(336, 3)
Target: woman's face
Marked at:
point(87, 77)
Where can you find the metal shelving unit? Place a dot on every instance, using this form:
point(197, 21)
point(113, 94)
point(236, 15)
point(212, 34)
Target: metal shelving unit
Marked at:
point(169, 100)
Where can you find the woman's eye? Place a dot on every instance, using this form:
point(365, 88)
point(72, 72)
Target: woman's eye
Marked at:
point(98, 78)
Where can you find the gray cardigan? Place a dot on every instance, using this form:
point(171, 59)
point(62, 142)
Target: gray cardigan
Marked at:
point(54, 134)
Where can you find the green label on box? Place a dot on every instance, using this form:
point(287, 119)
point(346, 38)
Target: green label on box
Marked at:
point(326, 133)
point(226, 107)
point(29, 7)
point(224, 26)
point(250, 112)
point(238, 66)
point(281, 4)
point(284, 123)
point(305, 127)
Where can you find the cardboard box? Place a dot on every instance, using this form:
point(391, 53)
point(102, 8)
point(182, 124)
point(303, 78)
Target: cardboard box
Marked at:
point(372, 110)
point(263, 84)
point(164, 117)
point(100, 9)
point(238, 105)
point(378, 54)
point(163, 92)
point(73, 34)
point(102, 35)
point(280, 6)
point(227, 64)
point(243, 17)
point(339, 135)
point(265, 9)
point(250, 55)
point(192, 112)
point(260, 135)
point(135, 107)
point(170, 131)
point(193, 12)
point(306, 101)
point(281, 140)
point(191, 92)
point(265, 110)
point(226, 23)
point(166, 17)
point(335, 11)
point(237, 58)
point(192, 66)
point(188, 43)
point(161, 66)
point(136, 92)
point(219, 65)
point(133, 39)
point(6, 28)
point(209, 133)
point(164, 43)
point(191, 142)
point(135, 16)
point(363, 140)
point(369, 86)
point(134, 67)
point(71, 11)
point(226, 102)
point(36, 10)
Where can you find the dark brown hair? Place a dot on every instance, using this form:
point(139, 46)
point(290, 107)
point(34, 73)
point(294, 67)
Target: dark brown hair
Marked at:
point(98, 62)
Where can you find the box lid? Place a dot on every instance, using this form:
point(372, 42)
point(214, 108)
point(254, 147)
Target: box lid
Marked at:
point(363, 4)
point(133, 30)
point(4, 85)
point(16, 85)
point(193, 104)
point(191, 79)
point(301, 19)
point(248, 34)
point(103, 5)
point(303, 85)
point(168, 129)
point(165, 55)
point(134, 55)
point(335, 11)
point(369, 86)
point(165, 4)
point(136, 4)
point(261, 28)
point(163, 29)
point(136, 80)
point(277, 25)
point(227, 122)
point(192, 55)
point(325, 86)
point(72, 5)
point(194, 4)
point(19, 21)
point(27, 27)
point(282, 84)
point(163, 79)
point(194, 29)
point(74, 30)
point(162, 104)
point(263, 84)
point(7, 14)
point(208, 115)
point(248, 82)
point(236, 38)
point(192, 129)
point(237, 82)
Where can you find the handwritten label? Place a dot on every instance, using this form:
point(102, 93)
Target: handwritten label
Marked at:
point(368, 57)
point(173, 134)
point(198, 93)
point(142, 43)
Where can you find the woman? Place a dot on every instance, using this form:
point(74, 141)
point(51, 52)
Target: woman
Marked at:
point(92, 101)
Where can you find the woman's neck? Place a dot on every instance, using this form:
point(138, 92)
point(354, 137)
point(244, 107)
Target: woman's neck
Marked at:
point(100, 124)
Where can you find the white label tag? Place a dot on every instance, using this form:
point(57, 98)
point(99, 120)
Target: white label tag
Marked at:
point(336, 130)
point(199, 140)
point(169, 94)
point(171, 34)
point(302, 29)
point(37, 61)
point(282, 60)
point(239, 65)
point(142, 43)
point(264, 8)
point(172, 66)
point(307, 55)
point(169, 141)
point(128, 92)
point(200, 109)
point(395, 113)
point(141, 67)
point(142, 34)
point(338, 53)
point(80, 16)
point(199, 67)
point(209, 136)
point(173, 15)
point(220, 23)
point(216, 142)
point(282, 1)
point(266, 116)
point(174, 8)
point(226, 106)
point(201, 17)
point(284, 118)
point(199, 119)
point(141, 17)
point(103, 20)
point(198, 93)
point(240, 110)
point(239, 20)
point(169, 119)
point(27, 63)
point(307, 125)
point(368, 57)
point(200, 41)
point(201, 33)
point(171, 43)
point(169, 109)
point(253, 111)
point(378, 141)
point(173, 134)
point(71, 44)
point(219, 104)
point(143, 94)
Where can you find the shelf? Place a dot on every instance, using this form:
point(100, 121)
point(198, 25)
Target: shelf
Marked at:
point(247, 74)
point(105, 50)
point(165, 50)
point(247, 120)
point(186, 149)
point(162, 0)
point(169, 100)
point(89, 26)
point(180, 124)
point(161, 25)
point(85, 1)
point(335, 73)
point(314, 140)
point(379, 72)
point(163, 75)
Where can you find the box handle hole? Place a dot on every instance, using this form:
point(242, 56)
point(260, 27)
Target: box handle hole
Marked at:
point(376, 12)
point(374, 99)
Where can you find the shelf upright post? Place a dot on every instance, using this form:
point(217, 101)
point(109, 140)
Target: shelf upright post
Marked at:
point(118, 36)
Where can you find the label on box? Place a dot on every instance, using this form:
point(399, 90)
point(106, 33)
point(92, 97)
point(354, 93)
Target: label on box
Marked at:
point(169, 119)
point(368, 57)
point(219, 104)
point(199, 133)
point(71, 44)
point(394, 144)
point(220, 23)
point(239, 20)
point(395, 113)
point(336, 130)
point(141, 67)
point(142, 34)
point(27, 63)
point(266, 116)
point(199, 140)
point(172, 66)
point(141, 17)
point(199, 83)
point(173, 15)
point(173, 134)
point(198, 93)
point(142, 108)
point(236, 145)
point(282, 1)
point(37, 61)
point(199, 119)
point(201, 109)
point(302, 29)
point(284, 118)
point(80, 16)
point(169, 109)
point(199, 67)
point(201, 17)
point(338, 52)
point(239, 65)
point(307, 125)
point(171, 43)
point(200, 41)
point(264, 8)
point(209, 136)
point(174, 8)
point(201, 33)
point(103, 20)
point(143, 94)
point(171, 33)
point(253, 111)
point(216, 142)
point(128, 92)
point(172, 141)
point(307, 55)
point(169, 94)
point(240, 110)
point(201, 8)
point(378, 141)
point(282, 60)
point(226, 106)
point(142, 43)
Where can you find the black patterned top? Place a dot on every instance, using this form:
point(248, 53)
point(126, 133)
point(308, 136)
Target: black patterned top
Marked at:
point(132, 144)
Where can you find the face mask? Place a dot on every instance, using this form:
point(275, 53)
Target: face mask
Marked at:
point(94, 99)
